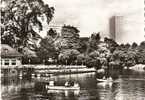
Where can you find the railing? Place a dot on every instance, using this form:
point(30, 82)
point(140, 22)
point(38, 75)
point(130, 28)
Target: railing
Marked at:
point(11, 66)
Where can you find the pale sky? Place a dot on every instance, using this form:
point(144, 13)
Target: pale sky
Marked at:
point(93, 15)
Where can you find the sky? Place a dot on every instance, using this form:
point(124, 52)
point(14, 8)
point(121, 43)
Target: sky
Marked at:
point(93, 15)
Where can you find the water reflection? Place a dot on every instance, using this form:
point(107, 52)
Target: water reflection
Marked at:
point(65, 92)
point(128, 85)
point(10, 87)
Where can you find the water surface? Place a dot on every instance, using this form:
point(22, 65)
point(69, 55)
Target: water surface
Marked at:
point(128, 85)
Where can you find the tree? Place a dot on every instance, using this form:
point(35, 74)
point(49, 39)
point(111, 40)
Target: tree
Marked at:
point(134, 45)
point(47, 49)
point(93, 60)
point(94, 40)
point(20, 17)
point(112, 45)
point(99, 57)
point(52, 33)
point(142, 45)
point(127, 46)
point(68, 56)
point(96, 36)
point(124, 58)
point(140, 56)
point(81, 59)
point(69, 38)
point(84, 41)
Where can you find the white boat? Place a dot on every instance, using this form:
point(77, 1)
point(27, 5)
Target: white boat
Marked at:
point(62, 87)
point(104, 80)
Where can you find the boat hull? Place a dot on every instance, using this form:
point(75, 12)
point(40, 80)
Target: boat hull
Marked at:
point(62, 88)
point(101, 80)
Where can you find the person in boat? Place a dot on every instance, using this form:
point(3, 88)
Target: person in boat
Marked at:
point(76, 84)
point(110, 79)
point(51, 83)
point(104, 78)
point(67, 84)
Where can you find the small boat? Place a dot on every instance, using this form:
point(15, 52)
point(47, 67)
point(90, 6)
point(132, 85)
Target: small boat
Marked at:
point(62, 88)
point(52, 87)
point(104, 84)
point(104, 80)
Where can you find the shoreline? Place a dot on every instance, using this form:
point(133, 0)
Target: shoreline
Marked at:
point(138, 67)
point(64, 70)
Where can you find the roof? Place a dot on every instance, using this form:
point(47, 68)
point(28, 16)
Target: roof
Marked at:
point(8, 51)
point(28, 52)
point(84, 38)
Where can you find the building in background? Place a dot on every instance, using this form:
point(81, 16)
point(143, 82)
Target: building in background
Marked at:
point(116, 26)
point(126, 29)
point(112, 30)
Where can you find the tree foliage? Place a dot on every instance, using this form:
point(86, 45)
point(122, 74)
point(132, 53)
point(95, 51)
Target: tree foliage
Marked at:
point(52, 33)
point(69, 38)
point(20, 17)
point(47, 49)
point(68, 56)
point(124, 58)
point(134, 45)
point(94, 40)
point(112, 45)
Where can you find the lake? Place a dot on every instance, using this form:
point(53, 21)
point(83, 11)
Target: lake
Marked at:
point(128, 85)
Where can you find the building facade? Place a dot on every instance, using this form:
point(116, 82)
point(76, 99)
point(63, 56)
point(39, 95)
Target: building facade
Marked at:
point(10, 58)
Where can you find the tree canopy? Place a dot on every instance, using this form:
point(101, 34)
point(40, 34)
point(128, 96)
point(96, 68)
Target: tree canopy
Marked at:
point(47, 49)
point(20, 17)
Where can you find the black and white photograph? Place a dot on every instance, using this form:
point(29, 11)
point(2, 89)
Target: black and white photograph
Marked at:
point(72, 50)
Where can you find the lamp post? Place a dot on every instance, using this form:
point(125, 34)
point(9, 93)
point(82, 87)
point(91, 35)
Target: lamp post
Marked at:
point(43, 61)
point(82, 62)
point(29, 61)
point(66, 61)
point(76, 62)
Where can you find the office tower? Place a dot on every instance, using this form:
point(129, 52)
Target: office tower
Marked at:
point(127, 29)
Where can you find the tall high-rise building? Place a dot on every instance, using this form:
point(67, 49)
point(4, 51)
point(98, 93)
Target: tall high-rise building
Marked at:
point(127, 29)
point(112, 27)
point(117, 29)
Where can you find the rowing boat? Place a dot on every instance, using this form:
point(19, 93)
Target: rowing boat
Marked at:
point(62, 88)
point(104, 80)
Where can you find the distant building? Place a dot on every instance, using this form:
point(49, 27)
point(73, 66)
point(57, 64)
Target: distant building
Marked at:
point(116, 28)
point(10, 58)
point(112, 29)
point(126, 29)
point(119, 29)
